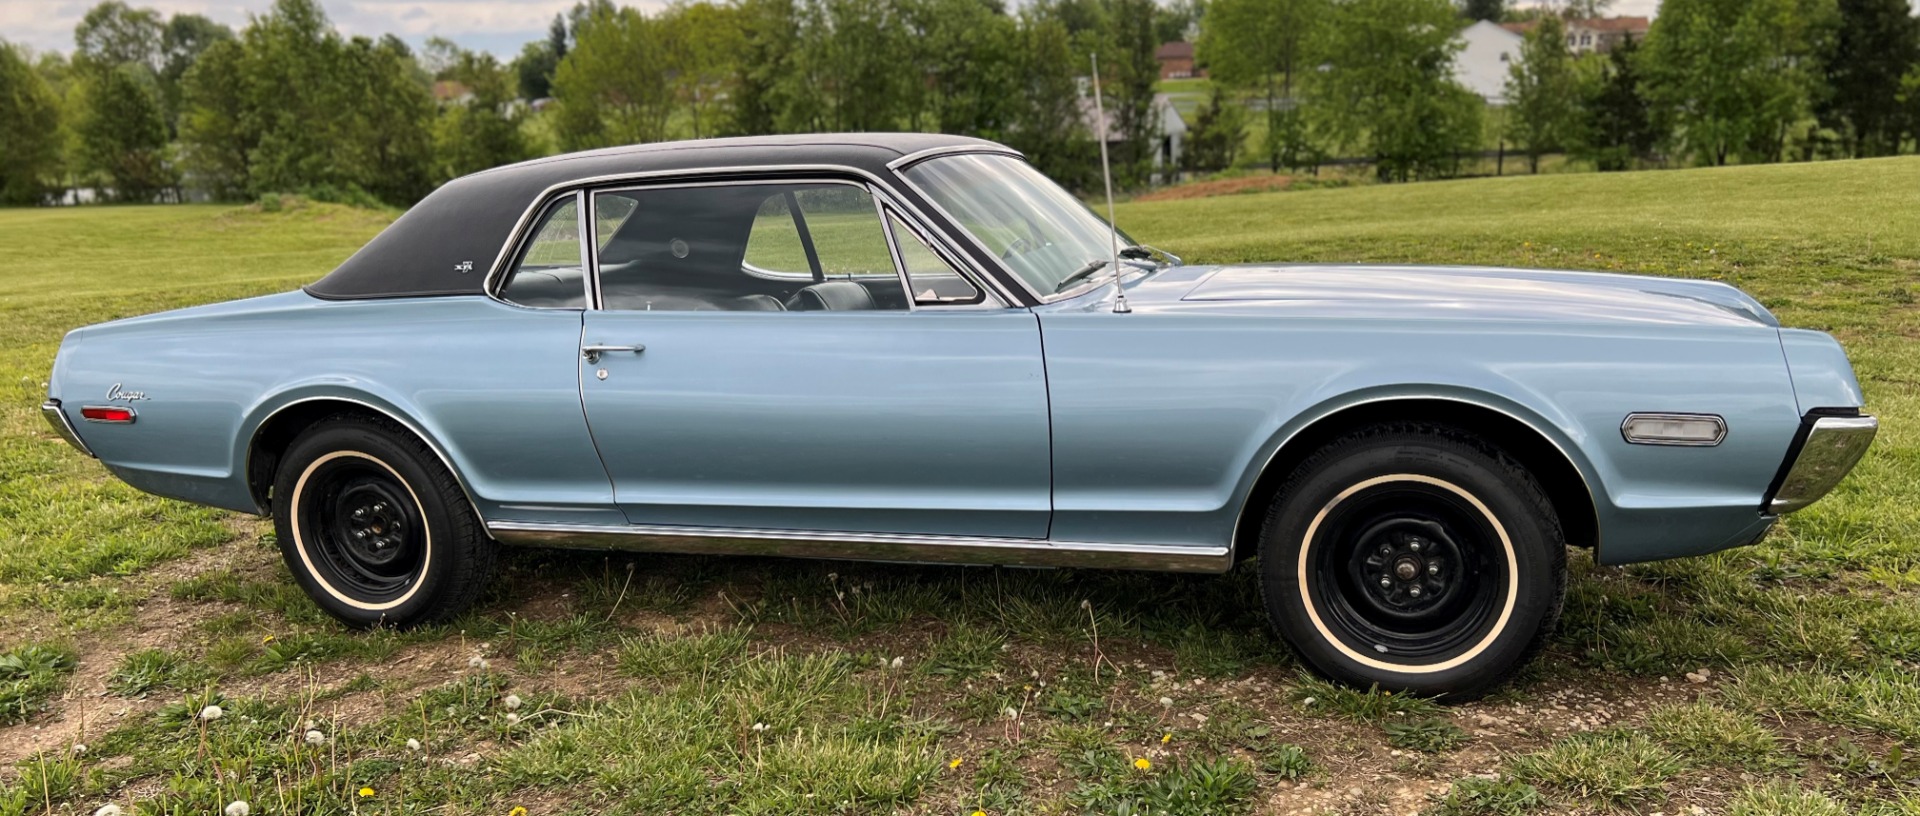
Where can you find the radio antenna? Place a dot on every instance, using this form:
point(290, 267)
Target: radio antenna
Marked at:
point(1106, 174)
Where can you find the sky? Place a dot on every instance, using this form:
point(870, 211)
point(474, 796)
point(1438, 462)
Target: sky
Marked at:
point(497, 26)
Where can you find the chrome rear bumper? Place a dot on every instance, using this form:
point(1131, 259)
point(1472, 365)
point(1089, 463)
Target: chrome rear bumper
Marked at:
point(1828, 449)
point(63, 426)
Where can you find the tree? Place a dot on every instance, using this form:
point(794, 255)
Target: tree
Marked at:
point(113, 33)
point(768, 55)
point(1876, 44)
point(121, 134)
point(1217, 132)
point(1542, 92)
point(216, 134)
point(1494, 10)
point(533, 70)
point(184, 39)
point(1730, 75)
point(1387, 92)
point(703, 41)
point(1046, 122)
point(612, 87)
point(482, 130)
point(1132, 77)
point(29, 130)
point(963, 56)
point(1176, 20)
point(1266, 44)
point(1617, 123)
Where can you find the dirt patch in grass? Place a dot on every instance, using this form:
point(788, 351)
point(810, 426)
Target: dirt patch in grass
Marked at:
point(1219, 187)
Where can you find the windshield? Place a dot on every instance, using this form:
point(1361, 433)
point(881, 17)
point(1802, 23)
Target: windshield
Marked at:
point(1040, 231)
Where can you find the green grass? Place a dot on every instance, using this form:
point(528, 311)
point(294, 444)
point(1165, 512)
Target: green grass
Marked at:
point(639, 680)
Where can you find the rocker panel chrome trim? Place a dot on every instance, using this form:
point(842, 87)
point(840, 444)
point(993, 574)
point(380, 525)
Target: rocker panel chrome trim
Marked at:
point(864, 546)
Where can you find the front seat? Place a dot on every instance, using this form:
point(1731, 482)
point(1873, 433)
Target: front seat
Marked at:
point(831, 296)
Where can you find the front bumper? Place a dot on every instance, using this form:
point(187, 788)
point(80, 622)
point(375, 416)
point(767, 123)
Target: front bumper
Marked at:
point(63, 426)
point(1828, 447)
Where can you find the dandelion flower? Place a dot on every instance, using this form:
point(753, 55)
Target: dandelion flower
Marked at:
point(1012, 713)
point(238, 807)
point(1142, 764)
point(512, 702)
point(955, 763)
point(267, 639)
point(413, 745)
point(108, 809)
point(316, 738)
point(1166, 738)
point(79, 749)
point(979, 813)
point(210, 713)
point(517, 811)
point(366, 792)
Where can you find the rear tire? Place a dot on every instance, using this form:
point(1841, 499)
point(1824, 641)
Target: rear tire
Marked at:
point(1414, 557)
point(374, 528)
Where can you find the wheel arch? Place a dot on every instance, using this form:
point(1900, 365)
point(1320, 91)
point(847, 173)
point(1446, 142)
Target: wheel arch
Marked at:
point(275, 428)
point(1551, 458)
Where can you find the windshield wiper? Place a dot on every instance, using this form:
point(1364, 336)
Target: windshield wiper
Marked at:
point(1080, 274)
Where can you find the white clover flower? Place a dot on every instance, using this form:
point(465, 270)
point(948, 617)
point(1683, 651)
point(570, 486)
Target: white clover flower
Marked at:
point(1167, 701)
point(512, 702)
point(897, 663)
point(316, 738)
point(108, 809)
point(238, 807)
point(413, 745)
point(1012, 713)
point(1310, 701)
point(1086, 604)
point(759, 726)
point(312, 725)
point(512, 718)
point(476, 662)
point(79, 749)
point(211, 713)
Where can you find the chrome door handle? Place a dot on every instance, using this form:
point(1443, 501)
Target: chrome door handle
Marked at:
point(592, 353)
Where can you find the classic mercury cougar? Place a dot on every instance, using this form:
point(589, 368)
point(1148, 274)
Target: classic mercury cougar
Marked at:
point(914, 347)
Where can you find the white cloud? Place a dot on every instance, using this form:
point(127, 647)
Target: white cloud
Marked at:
point(499, 26)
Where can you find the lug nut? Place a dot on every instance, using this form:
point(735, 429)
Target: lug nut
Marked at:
point(1414, 590)
point(1385, 582)
point(1433, 569)
point(1414, 545)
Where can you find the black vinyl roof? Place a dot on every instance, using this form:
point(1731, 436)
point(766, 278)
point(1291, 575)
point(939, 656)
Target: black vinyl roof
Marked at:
point(447, 243)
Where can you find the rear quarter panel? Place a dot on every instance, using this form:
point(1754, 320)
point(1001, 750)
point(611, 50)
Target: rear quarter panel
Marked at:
point(494, 387)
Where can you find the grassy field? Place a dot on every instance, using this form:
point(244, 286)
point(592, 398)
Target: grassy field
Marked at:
point(1778, 679)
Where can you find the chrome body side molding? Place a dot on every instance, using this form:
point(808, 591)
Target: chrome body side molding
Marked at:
point(933, 549)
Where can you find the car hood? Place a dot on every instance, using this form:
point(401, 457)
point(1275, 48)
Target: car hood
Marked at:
point(1448, 293)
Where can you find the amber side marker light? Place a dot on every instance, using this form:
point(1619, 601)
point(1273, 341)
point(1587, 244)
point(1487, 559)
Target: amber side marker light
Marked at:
point(115, 414)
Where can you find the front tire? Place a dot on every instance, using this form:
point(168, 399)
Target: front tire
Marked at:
point(1413, 557)
point(374, 528)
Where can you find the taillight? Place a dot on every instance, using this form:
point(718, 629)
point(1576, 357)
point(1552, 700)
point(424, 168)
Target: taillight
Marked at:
point(118, 414)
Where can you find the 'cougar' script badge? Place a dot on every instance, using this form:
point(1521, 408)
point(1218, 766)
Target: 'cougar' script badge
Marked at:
point(115, 392)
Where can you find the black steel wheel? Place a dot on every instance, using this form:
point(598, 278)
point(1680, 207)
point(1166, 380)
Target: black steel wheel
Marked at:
point(374, 528)
point(1416, 558)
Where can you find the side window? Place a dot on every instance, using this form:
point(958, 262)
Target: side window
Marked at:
point(548, 271)
point(931, 280)
point(745, 247)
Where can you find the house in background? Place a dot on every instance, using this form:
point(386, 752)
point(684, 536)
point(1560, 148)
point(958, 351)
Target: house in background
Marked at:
point(1482, 64)
point(1176, 61)
point(1596, 35)
point(1169, 139)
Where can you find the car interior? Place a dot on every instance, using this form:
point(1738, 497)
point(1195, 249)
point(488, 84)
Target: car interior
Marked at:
point(754, 247)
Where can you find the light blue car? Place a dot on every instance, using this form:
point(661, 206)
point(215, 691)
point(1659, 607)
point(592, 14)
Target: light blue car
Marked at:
point(913, 347)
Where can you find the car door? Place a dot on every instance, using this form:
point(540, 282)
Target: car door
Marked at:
point(758, 362)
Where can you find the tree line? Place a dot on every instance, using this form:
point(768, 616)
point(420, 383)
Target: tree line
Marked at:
point(148, 105)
